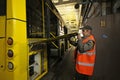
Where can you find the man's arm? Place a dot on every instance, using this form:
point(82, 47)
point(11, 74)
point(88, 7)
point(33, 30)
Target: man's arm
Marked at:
point(85, 47)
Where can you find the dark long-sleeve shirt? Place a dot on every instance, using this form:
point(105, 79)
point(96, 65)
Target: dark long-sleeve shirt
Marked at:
point(83, 47)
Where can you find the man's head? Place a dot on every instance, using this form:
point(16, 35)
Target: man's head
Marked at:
point(86, 30)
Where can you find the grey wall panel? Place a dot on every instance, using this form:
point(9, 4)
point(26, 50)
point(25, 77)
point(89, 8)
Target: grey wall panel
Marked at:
point(107, 66)
point(114, 68)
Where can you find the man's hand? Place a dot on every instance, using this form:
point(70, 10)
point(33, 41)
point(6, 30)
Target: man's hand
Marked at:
point(78, 36)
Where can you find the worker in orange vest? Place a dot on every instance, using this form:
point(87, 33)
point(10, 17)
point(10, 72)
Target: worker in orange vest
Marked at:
point(84, 54)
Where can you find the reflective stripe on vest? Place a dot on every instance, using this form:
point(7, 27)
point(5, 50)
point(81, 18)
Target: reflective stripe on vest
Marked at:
point(85, 64)
point(88, 53)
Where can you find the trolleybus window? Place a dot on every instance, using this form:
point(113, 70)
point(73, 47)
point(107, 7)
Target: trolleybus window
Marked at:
point(2, 7)
point(34, 19)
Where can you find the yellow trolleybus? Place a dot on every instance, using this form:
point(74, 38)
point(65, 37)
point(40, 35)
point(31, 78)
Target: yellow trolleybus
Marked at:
point(23, 24)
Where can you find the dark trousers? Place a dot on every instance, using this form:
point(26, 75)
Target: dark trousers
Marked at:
point(79, 76)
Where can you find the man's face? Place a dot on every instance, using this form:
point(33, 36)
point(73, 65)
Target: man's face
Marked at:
point(86, 32)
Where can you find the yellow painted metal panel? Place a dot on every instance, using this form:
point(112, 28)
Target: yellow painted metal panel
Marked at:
point(19, 47)
point(2, 26)
point(17, 31)
point(16, 9)
point(2, 54)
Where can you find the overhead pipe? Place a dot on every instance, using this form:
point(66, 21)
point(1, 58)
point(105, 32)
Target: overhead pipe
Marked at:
point(88, 2)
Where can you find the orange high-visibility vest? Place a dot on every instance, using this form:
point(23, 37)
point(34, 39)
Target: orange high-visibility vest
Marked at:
point(85, 61)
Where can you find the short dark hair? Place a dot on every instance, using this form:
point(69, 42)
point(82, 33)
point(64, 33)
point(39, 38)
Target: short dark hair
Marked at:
point(87, 27)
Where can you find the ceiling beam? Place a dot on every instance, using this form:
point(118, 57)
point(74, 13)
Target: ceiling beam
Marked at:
point(64, 2)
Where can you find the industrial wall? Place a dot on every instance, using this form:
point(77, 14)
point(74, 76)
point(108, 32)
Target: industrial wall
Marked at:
point(107, 33)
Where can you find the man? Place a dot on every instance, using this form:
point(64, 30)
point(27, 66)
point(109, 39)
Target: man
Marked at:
point(84, 54)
